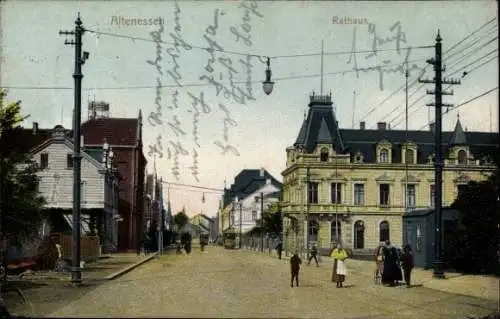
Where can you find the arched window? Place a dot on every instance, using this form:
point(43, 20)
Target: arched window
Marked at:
point(384, 231)
point(313, 230)
point(462, 157)
point(359, 234)
point(410, 157)
point(333, 232)
point(384, 156)
point(324, 154)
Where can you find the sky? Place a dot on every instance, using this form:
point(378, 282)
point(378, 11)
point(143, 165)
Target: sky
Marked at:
point(162, 67)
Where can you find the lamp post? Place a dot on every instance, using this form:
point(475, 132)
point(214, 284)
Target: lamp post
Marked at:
point(262, 216)
point(261, 199)
point(107, 160)
point(241, 214)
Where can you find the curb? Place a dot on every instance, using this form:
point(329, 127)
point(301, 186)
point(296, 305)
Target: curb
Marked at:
point(129, 268)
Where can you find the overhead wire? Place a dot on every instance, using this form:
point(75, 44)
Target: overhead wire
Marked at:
point(447, 51)
point(246, 54)
point(261, 56)
point(448, 60)
point(468, 72)
point(464, 103)
point(193, 84)
point(494, 30)
point(424, 94)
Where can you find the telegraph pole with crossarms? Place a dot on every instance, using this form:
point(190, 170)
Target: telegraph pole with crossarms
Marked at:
point(438, 161)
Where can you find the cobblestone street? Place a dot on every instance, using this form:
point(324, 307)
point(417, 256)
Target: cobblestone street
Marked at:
point(235, 283)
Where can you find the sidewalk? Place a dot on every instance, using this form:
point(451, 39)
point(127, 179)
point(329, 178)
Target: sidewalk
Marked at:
point(480, 286)
point(41, 292)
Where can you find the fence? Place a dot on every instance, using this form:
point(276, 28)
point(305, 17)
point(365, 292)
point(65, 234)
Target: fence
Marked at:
point(89, 246)
point(255, 243)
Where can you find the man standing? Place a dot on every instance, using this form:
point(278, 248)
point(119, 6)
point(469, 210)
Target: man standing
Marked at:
point(407, 263)
point(314, 253)
point(295, 262)
point(279, 248)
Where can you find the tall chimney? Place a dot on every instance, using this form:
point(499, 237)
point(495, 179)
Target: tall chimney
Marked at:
point(381, 126)
point(432, 127)
point(35, 128)
point(362, 125)
point(262, 172)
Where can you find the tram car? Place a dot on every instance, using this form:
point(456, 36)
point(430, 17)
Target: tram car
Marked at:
point(230, 239)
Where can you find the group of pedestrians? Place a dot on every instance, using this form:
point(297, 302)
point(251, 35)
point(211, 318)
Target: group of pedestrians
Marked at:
point(339, 271)
point(394, 265)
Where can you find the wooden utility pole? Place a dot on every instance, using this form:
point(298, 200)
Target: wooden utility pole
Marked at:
point(438, 161)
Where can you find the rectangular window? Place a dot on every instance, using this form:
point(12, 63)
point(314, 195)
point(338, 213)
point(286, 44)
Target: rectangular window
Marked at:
point(359, 194)
point(432, 195)
point(411, 196)
point(384, 194)
point(312, 192)
point(254, 215)
point(69, 161)
point(44, 160)
point(336, 193)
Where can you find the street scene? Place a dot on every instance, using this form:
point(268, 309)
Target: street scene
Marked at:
point(267, 159)
point(239, 283)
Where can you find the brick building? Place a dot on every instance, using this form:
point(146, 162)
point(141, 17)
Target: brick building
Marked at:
point(124, 136)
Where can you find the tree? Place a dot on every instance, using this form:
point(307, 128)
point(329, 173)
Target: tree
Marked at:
point(272, 223)
point(474, 245)
point(21, 207)
point(272, 220)
point(181, 219)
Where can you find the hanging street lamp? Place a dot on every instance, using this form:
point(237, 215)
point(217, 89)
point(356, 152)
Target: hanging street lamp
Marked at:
point(267, 85)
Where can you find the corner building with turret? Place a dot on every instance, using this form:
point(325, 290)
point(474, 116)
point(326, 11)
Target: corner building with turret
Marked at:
point(349, 185)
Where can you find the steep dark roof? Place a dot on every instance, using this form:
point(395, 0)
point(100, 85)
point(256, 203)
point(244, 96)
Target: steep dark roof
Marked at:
point(23, 140)
point(247, 182)
point(458, 137)
point(302, 133)
point(365, 141)
point(321, 126)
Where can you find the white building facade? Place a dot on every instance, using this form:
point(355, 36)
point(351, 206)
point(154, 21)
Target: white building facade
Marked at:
point(250, 208)
point(99, 187)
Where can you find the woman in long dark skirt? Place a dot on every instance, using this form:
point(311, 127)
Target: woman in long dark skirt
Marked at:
point(391, 272)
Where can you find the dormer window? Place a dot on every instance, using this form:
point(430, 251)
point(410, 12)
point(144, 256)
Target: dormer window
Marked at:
point(358, 157)
point(462, 157)
point(324, 154)
point(384, 156)
point(410, 157)
point(430, 159)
